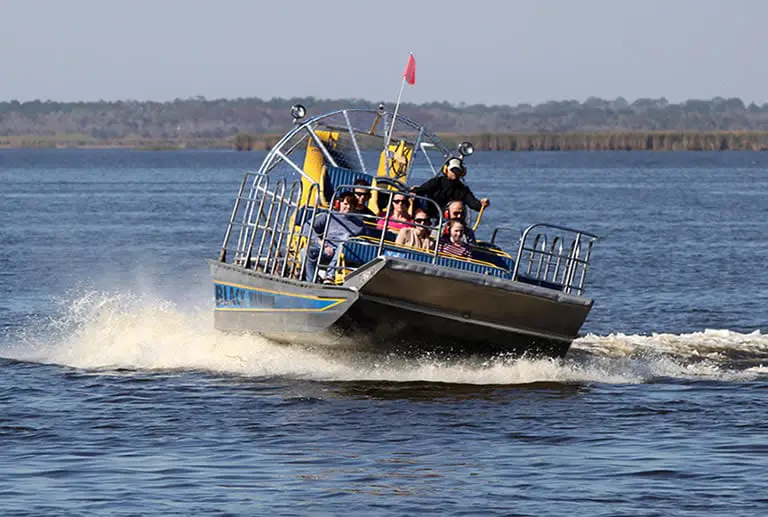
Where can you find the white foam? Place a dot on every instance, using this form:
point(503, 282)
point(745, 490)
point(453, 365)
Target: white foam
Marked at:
point(709, 344)
point(107, 331)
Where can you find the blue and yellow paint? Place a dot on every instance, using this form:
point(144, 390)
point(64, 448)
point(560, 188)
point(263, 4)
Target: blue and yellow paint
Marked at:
point(236, 297)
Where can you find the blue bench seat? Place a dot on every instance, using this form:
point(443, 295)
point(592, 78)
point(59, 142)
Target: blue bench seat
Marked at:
point(338, 176)
point(360, 251)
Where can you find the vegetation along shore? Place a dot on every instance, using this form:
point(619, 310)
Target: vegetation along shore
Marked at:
point(255, 124)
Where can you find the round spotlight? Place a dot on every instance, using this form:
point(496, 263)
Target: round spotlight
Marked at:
point(380, 108)
point(298, 112)
point(465, 149)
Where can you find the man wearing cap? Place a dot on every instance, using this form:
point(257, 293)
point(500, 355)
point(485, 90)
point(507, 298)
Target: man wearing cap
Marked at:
point(449, 187)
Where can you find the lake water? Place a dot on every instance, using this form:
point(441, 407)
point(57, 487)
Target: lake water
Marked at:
point(119, 398)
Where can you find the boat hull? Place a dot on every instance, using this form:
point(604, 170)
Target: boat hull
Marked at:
point(397, 305)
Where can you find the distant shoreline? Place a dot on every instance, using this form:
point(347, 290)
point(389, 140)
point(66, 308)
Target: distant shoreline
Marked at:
point(570, 141)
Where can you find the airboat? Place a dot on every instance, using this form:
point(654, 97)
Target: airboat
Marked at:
point(519, 292)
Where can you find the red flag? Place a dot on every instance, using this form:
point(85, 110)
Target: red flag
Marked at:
point(410, 71)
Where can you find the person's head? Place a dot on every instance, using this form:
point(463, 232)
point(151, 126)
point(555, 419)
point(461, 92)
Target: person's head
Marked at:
point(422, 220)
point(456, 231)
point(362, 195)
point(400, 204)
point(454, 169)
point(456, 211)
point(347, 202)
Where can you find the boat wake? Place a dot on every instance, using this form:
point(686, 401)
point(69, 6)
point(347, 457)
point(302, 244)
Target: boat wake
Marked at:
point(119, 331)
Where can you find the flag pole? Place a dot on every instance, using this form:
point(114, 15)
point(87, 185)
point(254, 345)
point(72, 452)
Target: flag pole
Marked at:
point(409, 76)
point(394, 117)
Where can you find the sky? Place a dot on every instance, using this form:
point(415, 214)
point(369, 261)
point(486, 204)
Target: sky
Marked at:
point(471, 51)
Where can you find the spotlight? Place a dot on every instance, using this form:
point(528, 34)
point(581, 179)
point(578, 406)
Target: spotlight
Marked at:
point(465, 149)
point(298, 112)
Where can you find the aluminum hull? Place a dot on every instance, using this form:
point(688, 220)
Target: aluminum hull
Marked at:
point(397, 305)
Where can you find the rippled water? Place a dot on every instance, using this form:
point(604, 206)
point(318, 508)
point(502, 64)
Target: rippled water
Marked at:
point(119, 398)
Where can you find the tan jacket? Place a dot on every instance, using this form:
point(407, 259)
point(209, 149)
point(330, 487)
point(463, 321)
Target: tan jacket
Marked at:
point(410, 238)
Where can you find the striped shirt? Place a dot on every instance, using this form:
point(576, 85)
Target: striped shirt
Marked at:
point(446, 246)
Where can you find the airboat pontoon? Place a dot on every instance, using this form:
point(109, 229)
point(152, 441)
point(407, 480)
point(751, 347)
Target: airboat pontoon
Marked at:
point(377, 295)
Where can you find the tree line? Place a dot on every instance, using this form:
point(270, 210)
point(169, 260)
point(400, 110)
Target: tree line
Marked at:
point(252, 123)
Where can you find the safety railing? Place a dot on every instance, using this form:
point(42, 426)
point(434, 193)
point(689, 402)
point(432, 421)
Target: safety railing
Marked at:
point(268, 226)
point(552, 256)
point(271, 231)
point(274, 229)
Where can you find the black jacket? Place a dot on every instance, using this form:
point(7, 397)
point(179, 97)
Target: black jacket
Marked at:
point(442, 191)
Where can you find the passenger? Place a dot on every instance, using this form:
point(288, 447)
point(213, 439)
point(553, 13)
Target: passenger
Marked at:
point(455, 211)
point(443, 189)
point(417, 237)
point(342, 226)
point(362, 197)
point(400, 216)
point(453, 243)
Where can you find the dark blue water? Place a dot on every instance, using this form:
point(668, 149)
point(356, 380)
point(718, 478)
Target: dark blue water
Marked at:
point(119, 398)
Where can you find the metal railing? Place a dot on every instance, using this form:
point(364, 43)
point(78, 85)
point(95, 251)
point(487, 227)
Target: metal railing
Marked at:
point(552, 255)
point(272, 228)
point(270, 224)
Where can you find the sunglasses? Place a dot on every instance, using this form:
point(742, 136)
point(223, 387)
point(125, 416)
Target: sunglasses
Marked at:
point(421, 220)
point(398, 201)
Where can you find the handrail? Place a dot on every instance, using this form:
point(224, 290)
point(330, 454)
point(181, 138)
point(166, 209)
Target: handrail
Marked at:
point(539, 251)
point(276, 231)
point(248, 218)
point(273, 230)
point(223, 251)
point(547, 225)
point(479, 217)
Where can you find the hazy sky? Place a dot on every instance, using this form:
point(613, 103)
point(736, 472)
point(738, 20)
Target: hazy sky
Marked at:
point(473, 51)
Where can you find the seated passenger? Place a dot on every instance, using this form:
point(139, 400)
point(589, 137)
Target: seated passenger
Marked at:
point(399, 218)
point(341, 227)
point(362, 197)
point(418, 236)
point(455, 211)
point(453, 243)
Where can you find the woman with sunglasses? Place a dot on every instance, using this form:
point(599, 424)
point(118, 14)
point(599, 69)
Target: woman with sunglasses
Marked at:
point(400, 216)
point(417, 236)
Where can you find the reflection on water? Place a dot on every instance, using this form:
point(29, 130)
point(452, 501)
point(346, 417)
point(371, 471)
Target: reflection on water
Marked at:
point(451, 392)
